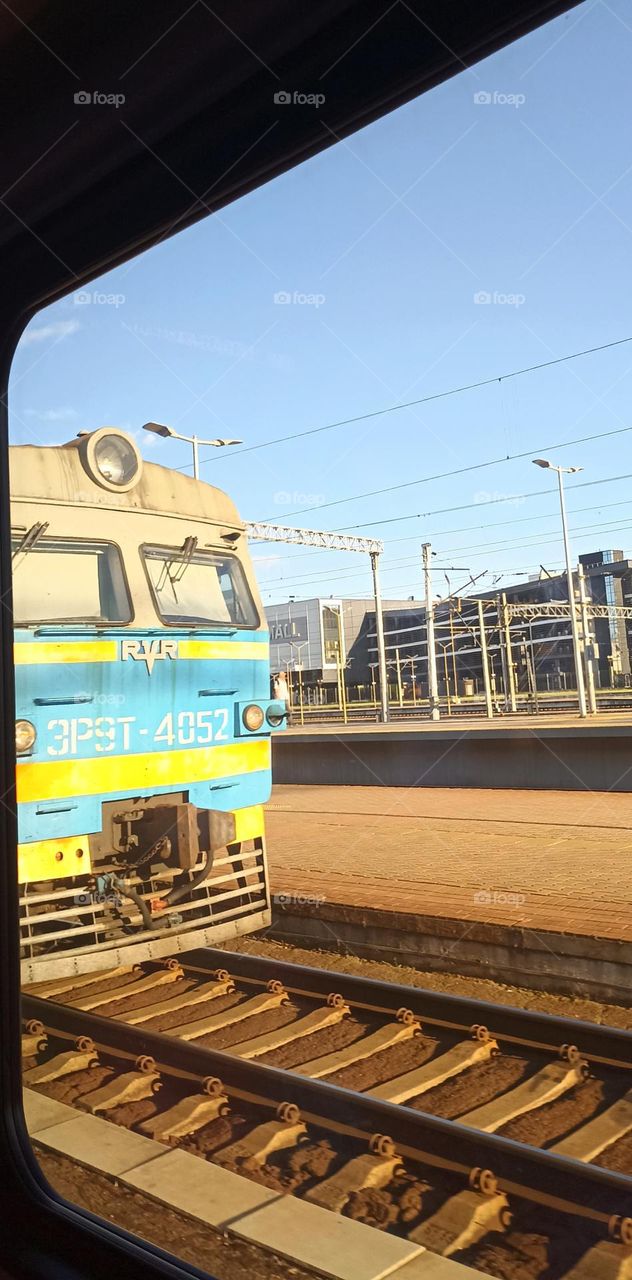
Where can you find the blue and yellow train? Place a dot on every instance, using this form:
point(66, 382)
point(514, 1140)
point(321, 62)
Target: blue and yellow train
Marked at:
point(143, 709)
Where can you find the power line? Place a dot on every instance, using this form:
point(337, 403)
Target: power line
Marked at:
point(479, 549)
point(458, 471)
point(468, 506)
point(489, 502)
point(467, 528)
point(410, 404)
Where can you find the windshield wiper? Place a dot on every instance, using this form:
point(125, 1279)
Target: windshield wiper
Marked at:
point(182, 559)
point(31, 537)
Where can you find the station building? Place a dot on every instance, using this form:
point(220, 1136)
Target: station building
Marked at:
point(314, 640)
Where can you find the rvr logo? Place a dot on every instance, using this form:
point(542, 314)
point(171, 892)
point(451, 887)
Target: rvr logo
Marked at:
point(148, 651)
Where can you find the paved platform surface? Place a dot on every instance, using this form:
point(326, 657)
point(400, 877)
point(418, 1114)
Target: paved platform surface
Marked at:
point(548, 860)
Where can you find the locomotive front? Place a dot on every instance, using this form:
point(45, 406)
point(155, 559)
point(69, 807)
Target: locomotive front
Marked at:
point(143, 710)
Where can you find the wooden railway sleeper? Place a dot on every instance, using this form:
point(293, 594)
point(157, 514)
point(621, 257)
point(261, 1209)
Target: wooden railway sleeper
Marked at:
point(64, 1064)
point(131, 1086)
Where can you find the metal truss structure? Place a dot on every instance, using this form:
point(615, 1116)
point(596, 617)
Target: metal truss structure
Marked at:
point(312, 538)
point(561, 610)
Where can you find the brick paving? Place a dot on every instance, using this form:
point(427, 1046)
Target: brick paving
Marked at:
point(552, 860)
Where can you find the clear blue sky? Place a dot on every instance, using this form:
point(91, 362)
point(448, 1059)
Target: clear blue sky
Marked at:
point(527, 198)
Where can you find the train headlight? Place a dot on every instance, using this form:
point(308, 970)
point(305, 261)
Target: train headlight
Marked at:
point(275, 716)
point(253, 717)
point(25, 735)
point(112, 459)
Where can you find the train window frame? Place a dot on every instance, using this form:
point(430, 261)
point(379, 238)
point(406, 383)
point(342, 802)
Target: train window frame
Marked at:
point(187, 624)
point(89, 623)
point(119, 203)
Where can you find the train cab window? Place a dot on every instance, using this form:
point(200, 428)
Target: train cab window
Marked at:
point(68, 580)
point(198, 588)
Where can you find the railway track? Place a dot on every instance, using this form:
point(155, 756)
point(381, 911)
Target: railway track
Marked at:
point(360, 715)
point(460, 1125)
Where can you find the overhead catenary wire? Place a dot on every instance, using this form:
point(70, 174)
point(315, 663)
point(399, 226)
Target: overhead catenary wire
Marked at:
point(467, 528)
point(410, 404)
point(482, 548)
point(457, 471)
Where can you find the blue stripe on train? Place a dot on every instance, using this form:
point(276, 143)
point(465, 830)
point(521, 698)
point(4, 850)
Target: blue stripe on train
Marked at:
point(79, 815)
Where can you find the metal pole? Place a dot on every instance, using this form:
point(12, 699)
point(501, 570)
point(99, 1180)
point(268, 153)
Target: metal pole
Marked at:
point(343, 692)
point(433, 699)
point(379, 628)
point(196, 458)
point(534, 671)
point(447, 679)
point(588, 642)
point(511, 676)
point(456, 682)
point(577, 646)
point(503, 655)
point(486, 680)
point(400, 691)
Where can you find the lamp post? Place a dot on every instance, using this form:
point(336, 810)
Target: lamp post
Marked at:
point(577, 648)
point(168, 432)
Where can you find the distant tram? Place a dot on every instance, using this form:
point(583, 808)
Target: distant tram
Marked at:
point(143, 709)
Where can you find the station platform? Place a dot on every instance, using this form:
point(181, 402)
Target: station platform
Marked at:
point(540, 882)
point(545, 752)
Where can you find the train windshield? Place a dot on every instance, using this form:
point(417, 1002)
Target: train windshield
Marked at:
point(68, 580)
point(197, 588)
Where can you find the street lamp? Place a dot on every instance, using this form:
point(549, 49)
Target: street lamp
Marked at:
point(577, 650)
point(160, 430)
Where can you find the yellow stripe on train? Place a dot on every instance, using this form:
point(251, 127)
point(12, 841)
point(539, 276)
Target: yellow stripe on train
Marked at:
point(223, 649)
point(26, 653)
point(34, 654)
point(54, 779)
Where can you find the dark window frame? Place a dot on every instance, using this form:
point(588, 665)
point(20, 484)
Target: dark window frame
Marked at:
point(88, 205)
point(89, 623)
point(209, 625)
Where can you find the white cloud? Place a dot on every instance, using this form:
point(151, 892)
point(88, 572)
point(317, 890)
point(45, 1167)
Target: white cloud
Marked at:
point(58, 329)
point(64, 414)
point(265, 562)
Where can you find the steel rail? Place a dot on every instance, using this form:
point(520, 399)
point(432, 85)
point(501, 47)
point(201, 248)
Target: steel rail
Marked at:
point(539, 1176)
point(609, 1045)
